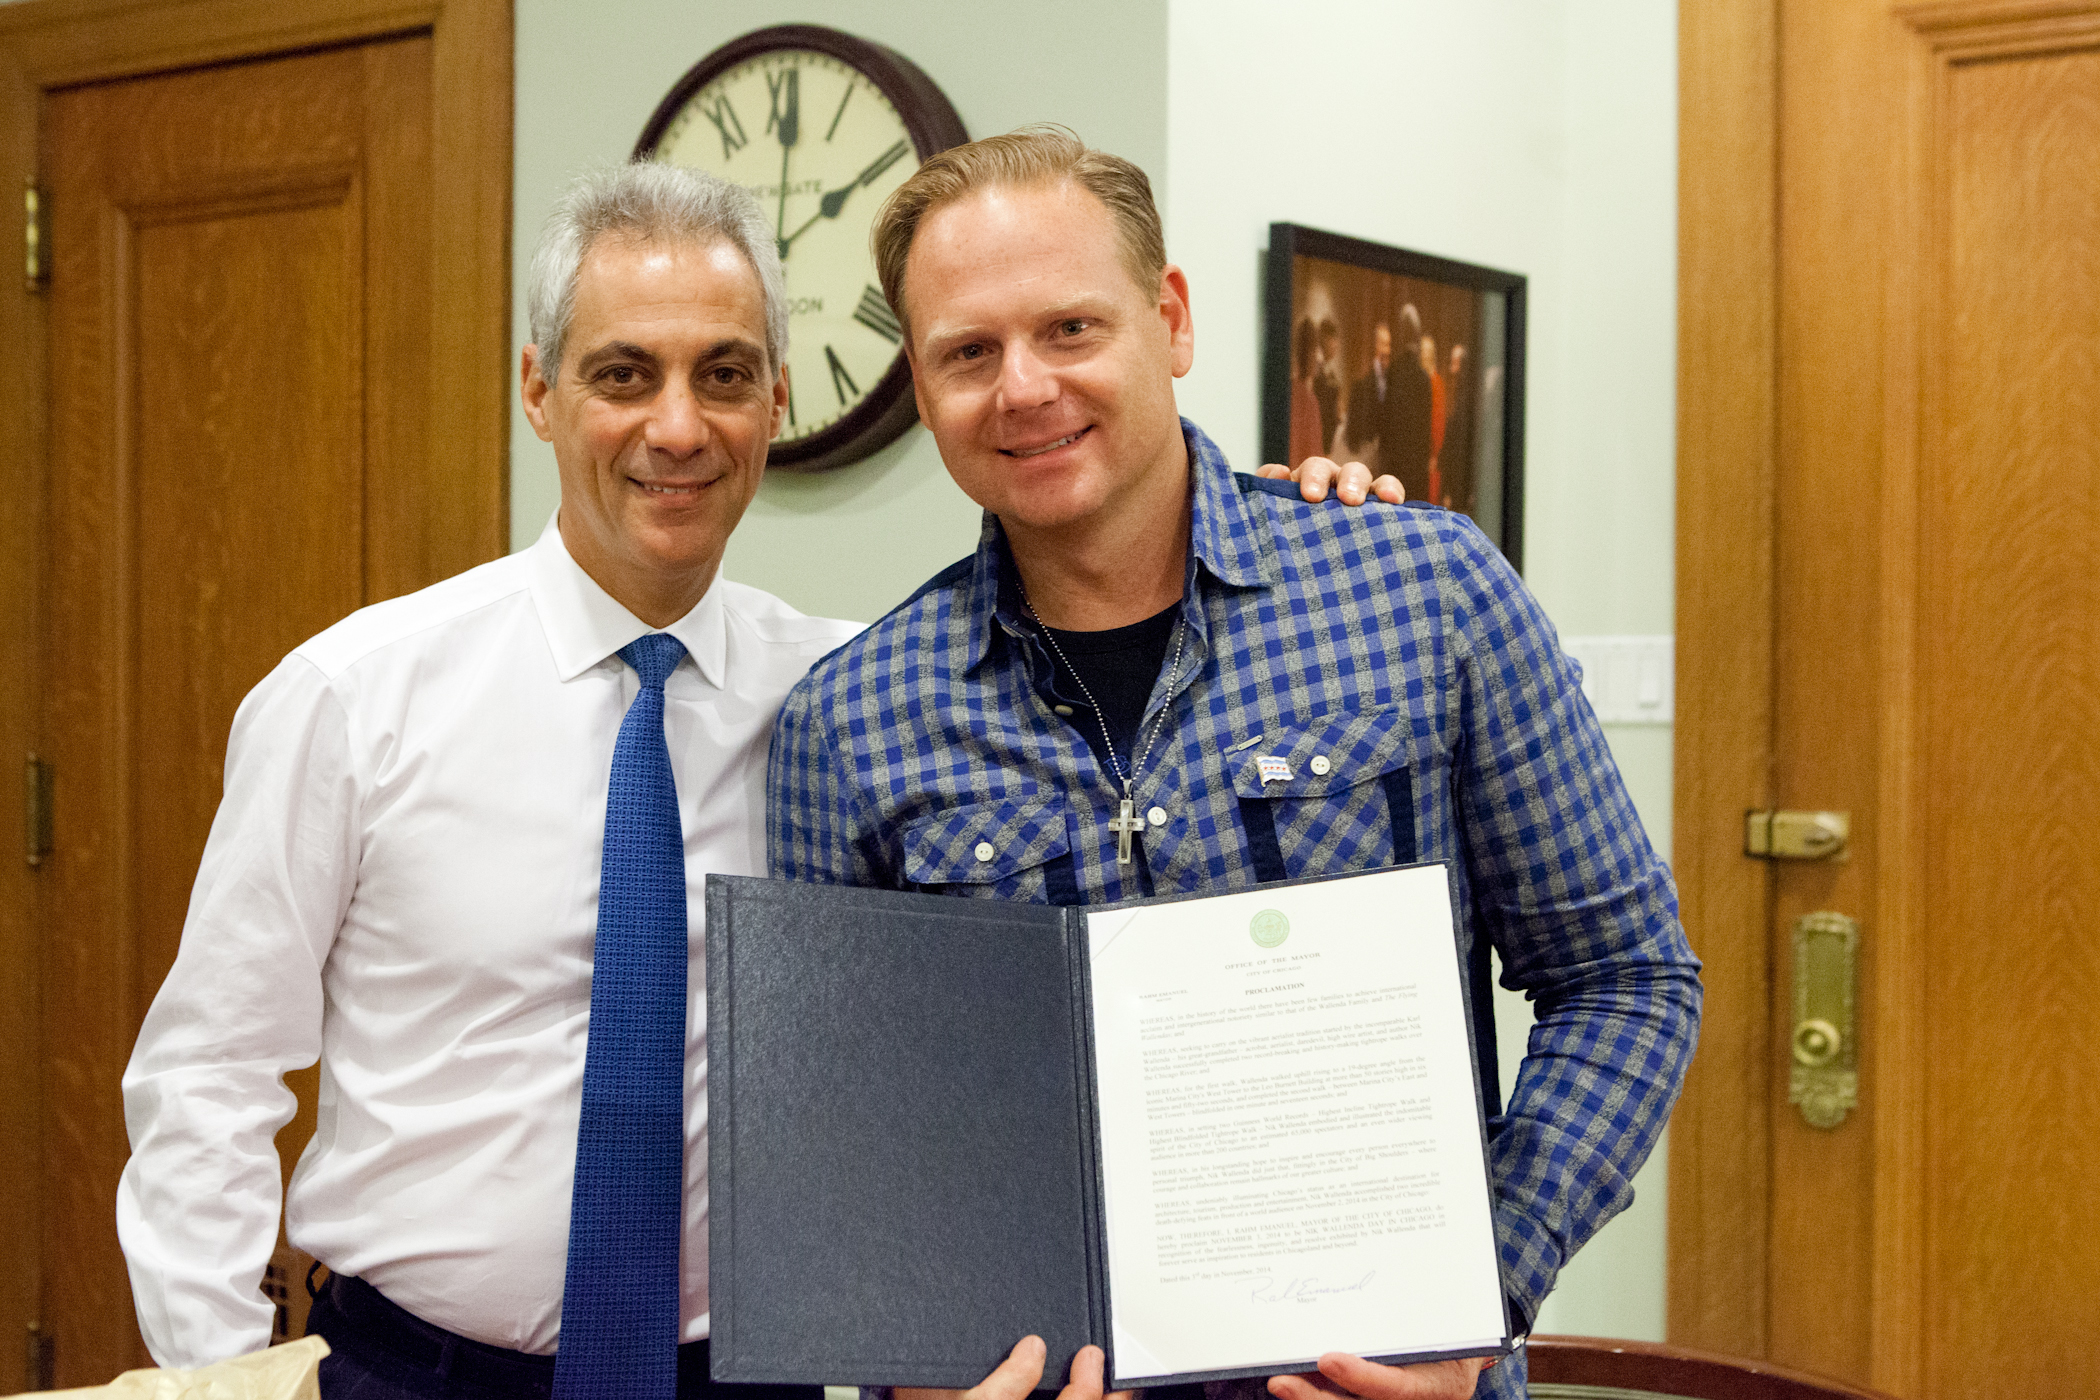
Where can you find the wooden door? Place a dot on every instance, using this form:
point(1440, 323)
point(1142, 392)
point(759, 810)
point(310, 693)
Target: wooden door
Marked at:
point(1890, 604)
point(239, 405)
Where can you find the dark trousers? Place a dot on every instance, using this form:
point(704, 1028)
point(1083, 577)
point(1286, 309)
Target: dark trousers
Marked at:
point(380, 1351)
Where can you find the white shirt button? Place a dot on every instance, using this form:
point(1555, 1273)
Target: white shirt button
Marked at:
point(984, 850)
point(1065, 710)
point(1157, 816)
point(1320, 765)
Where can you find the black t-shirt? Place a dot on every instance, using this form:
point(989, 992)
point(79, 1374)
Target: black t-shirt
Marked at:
point(1120, 667)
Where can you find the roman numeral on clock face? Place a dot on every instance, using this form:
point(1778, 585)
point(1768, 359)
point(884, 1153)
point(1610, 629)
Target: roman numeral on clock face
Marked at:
point(841, 382)
point(874, 313)
point(785, 90)
point(726, 122)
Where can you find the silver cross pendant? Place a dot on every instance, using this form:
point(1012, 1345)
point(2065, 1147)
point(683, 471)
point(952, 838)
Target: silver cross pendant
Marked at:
point(1126, 825)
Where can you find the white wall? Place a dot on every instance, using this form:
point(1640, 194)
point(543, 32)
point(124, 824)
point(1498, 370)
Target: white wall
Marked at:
point(849, 543)
point(1531, 136)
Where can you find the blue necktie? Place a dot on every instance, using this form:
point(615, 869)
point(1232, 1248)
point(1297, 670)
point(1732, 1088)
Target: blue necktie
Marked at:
point(619, 1307)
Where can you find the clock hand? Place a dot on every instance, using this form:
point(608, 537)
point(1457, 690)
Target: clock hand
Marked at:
point(832, 203)
point(798, 233)
point(791, 120)
point(788, 125)
point(836, 200)
point(781, 217)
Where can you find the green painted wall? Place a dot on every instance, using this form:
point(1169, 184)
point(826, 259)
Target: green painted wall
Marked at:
point(1533, 136)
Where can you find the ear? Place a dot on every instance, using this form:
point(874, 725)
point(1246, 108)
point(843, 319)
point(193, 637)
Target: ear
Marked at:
point(781, 390)
point(533, 389)
point(1174, 311)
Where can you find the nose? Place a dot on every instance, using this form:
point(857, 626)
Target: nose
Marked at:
point(1025, 380)
point(677, 427)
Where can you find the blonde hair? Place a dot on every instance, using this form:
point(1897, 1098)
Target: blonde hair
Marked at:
point(1033, 155)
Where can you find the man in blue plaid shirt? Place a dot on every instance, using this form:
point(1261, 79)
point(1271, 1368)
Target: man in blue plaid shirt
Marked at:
point(1155, 676)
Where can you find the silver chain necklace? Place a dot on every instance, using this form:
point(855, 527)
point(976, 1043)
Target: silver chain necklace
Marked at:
point(1126, 823)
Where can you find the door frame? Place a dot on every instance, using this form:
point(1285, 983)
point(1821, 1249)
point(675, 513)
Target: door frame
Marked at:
point(1727, 452)
point(50, 44)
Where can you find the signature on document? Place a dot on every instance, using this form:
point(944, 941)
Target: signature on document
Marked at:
point(1305, 1290)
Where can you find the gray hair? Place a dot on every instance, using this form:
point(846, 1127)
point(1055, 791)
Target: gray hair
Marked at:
point(659, 203)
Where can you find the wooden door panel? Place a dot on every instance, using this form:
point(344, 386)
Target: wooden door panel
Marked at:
point(419, 526)
point(219, 443)
point(249, 487)
point(1933, 669)
point(2010, 723)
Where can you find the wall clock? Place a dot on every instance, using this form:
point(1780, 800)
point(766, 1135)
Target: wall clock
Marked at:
point(821, 126)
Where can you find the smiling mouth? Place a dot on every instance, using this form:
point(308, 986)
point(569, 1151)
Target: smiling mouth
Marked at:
point(655, 489)
point(1021, 452)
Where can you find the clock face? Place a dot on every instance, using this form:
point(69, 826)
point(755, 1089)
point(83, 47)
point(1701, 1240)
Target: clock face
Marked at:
point(821, 146)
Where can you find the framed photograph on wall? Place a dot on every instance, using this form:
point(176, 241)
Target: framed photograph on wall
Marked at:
point(1409, 363)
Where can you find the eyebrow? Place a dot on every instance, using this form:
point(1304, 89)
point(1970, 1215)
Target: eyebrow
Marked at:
point(1086, 304)
point(613, 350)
point(728, 348)
point(734, 347)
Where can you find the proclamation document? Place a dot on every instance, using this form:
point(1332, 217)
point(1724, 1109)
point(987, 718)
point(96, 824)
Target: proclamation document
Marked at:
point(1291, 1142)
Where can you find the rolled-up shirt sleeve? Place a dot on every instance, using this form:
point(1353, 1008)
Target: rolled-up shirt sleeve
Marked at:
point(204, 1093)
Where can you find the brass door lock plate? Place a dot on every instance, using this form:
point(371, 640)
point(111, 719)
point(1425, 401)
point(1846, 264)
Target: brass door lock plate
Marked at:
point(1797, 835)
point(1824, 1078)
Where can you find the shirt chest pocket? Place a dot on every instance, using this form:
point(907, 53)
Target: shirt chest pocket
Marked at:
point(1337, 793)
point(1016, 848)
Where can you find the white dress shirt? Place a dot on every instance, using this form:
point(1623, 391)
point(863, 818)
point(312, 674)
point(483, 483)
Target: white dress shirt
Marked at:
point(402, 880)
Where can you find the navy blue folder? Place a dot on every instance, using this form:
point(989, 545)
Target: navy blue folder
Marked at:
point(903, 1167)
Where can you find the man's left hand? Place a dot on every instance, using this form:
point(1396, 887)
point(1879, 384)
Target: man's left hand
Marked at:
point(1351, 484)
point(1343, 1375)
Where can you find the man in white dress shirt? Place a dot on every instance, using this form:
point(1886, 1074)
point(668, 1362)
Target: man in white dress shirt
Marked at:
point(402, 880)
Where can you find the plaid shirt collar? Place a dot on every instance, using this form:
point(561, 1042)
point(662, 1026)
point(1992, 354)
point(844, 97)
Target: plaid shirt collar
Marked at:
point(1225, 538)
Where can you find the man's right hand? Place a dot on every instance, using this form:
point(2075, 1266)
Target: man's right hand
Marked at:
point(1018, 1374)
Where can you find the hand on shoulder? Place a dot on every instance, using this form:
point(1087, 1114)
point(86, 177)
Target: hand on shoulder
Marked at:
point(1352, 484)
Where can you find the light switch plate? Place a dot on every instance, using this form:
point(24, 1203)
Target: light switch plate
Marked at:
point(1629, 680)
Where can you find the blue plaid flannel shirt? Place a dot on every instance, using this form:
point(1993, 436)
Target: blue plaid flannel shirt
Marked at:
point(1397, 644)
